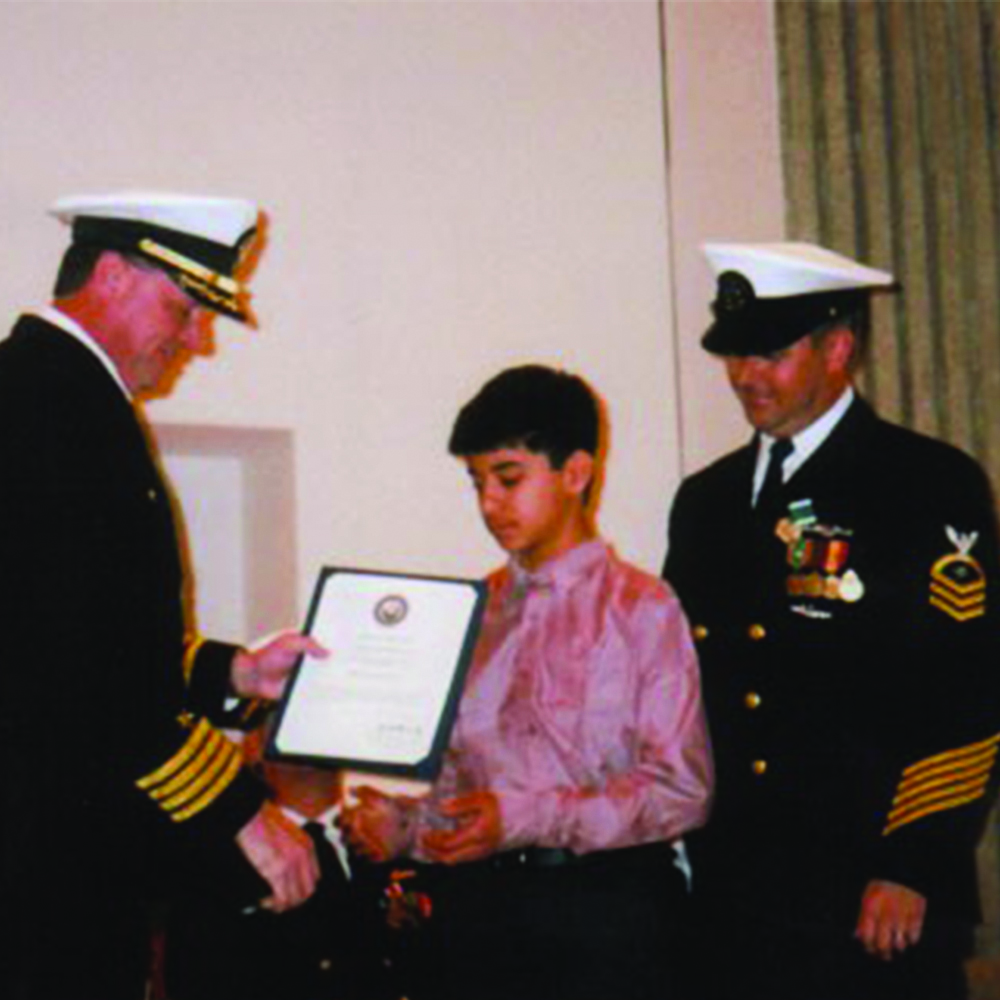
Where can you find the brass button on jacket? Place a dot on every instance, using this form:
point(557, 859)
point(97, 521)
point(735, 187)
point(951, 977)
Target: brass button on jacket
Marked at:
point(756, 632)
point(759, 766)
point(699, 632)
point(752, 700)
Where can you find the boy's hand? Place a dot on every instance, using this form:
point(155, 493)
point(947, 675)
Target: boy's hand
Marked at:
point(376, 827)
point(478, 833)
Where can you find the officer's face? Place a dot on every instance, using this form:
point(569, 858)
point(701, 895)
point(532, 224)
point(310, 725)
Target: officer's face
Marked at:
point(160, 328)
point(784, 392)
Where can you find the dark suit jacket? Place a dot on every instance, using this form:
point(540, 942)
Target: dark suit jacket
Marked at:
point(854, 728)
point(108, 776)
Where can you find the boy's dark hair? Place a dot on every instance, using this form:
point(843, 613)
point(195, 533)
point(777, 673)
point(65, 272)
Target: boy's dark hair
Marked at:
point(547, 411)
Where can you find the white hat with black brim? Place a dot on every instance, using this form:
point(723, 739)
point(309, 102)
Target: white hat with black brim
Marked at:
point(770, 295)
point(199, 241)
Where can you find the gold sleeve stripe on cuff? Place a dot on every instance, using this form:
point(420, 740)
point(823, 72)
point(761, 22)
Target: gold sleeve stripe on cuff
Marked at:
point(194, 743)
point(206, 779)
point(187, 774)
point(914, 776)
point(211, 794)
point(950, 755)
point(940, 793)
point(944, 775)
point(190, 655)
point(935, 787)
point(927, 810)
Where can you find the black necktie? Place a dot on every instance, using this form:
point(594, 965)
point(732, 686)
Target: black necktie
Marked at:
point(767, 506)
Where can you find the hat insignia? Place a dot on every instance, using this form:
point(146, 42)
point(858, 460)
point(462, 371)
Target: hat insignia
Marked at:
point(735, 293)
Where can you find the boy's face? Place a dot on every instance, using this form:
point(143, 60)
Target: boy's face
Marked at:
point(534, 511)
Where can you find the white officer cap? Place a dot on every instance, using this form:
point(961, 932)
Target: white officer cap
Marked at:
point(199, 241)
point(771, 294)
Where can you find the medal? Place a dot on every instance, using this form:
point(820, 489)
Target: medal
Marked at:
point(851, 587)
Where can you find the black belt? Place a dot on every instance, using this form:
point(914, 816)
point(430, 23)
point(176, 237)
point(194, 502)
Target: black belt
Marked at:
point(533, 858)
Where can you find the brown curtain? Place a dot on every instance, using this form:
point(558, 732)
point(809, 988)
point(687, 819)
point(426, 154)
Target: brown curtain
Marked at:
point(892, 154)
point(891, 135)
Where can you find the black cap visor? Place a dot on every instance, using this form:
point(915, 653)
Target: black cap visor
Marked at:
point(763, 326)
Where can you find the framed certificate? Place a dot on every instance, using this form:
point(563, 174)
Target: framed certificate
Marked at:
point(385, 699)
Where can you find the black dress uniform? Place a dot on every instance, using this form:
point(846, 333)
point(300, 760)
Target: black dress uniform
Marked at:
point(849, 650)
point(329, 948)
point(114, 779)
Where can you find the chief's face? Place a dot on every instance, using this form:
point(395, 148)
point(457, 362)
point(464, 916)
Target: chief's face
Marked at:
point(159, 328)
point(784, 392)
point(530, 508)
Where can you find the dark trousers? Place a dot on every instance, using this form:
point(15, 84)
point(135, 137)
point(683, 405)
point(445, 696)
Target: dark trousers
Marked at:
point(543, 925)
point(738, 954)
point(329, 948)
point(76, 922)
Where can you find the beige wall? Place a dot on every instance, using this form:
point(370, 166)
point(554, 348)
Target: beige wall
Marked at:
point(725, 184)
point(452, 187)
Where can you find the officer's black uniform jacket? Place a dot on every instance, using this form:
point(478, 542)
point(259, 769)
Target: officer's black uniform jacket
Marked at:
point(102, 738)
point(855, 738)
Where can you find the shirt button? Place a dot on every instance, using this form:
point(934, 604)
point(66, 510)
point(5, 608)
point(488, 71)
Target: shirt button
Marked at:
point(756, 632)
point(759, 766)
point(752, 700)
point(699, 632)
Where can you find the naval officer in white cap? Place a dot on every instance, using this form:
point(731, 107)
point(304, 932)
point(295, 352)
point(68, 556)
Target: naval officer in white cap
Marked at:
point(840, 574)
point(117, 779)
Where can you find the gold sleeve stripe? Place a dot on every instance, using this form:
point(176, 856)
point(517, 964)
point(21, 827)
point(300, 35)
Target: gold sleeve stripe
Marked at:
point(194, 743)
point(950, 755)
point(206, 779)
point(211, 794)
point(198, 763)
point(190, 655)
point(935, 807)
point(943, 771)
point(950, 781)
point(930, 795)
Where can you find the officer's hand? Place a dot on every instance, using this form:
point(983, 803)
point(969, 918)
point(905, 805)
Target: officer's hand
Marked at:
point(264, 672)
point(283, 855)
point(891, 918)
point(477, 834)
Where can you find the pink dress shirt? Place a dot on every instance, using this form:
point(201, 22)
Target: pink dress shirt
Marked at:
point(582, 709)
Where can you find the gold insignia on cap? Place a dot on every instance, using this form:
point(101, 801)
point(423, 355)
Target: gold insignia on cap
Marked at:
point(196, 775)
point(215, 288)
point(943, 781)
point(958, 583)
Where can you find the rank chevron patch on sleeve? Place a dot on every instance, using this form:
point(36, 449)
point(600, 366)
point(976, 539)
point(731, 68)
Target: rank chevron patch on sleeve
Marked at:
point(958, 583)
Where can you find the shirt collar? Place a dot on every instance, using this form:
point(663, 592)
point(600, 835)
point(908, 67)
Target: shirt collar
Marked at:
point(809, 439)
point(561, 571)
point(68, 325)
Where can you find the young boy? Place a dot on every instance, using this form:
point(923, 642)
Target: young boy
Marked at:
point(580, 752)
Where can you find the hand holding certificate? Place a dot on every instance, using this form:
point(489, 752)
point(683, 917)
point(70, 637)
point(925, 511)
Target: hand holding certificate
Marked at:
point(386, 698)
